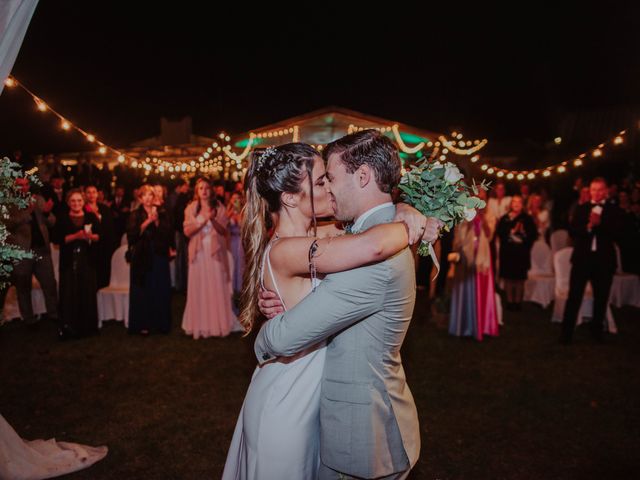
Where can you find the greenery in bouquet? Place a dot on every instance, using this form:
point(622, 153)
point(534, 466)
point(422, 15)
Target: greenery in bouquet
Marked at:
point(438, 190)
point(13, 195)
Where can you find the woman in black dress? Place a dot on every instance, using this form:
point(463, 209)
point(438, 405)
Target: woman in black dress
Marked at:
point(77, 233)
point(150, 240)
point(517, 232)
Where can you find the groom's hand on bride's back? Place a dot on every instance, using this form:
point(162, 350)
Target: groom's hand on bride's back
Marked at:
point(269, 304)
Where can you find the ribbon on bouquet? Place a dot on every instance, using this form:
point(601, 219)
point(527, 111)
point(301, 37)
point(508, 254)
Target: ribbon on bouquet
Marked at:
point(426, 248)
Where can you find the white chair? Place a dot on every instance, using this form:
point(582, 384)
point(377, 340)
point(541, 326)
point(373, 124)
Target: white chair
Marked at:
point(625, 288)
point(113, 300)
point(562, 266)
point(559, 239)
point(540, 285)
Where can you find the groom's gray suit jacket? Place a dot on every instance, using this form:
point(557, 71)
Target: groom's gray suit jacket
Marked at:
point(369, 422)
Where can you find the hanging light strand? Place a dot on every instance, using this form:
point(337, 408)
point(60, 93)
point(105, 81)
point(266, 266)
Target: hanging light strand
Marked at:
point(65, 123)
point(558, 168)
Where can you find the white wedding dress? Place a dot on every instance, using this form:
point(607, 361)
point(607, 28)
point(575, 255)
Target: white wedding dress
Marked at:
point(277, 436)
point(39, 459)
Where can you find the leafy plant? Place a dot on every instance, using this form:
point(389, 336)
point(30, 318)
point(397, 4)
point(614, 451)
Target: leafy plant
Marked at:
point(12, 196)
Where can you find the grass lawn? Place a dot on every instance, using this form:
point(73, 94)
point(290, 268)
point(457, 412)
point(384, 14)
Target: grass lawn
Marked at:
point(519, 406)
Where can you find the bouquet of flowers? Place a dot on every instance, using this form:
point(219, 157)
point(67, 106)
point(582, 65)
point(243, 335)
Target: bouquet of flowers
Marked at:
point(438, 190)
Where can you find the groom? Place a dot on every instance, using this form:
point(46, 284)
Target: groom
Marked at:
point(369, 422)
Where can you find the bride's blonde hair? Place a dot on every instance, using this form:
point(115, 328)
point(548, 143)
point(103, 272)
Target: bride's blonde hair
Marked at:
point(273, 171)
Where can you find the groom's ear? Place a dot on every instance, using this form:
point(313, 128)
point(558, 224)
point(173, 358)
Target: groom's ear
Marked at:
point(364, 175)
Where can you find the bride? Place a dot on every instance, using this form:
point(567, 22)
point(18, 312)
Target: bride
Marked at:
point(278, 430)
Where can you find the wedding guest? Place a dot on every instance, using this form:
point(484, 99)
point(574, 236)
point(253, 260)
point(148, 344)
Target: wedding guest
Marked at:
point(594, 229)
point(55, 192)
point(176, 204)
point(85, 172)
point(498, 206)
point(218, 192)
point(150, 242)
point(77, 233)
point(539, 214)
point(120, 211)
point(29, 228)
point(584, 196)
point(107, 243)
point(517, 232)
point(499, 203)
point(234, 213)
point(208, 311)
point(103, 177)
point(160, 193)
point(135, 201)
point(473, 300)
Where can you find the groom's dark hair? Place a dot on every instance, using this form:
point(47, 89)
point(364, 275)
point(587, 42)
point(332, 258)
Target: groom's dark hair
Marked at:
point(374, 149)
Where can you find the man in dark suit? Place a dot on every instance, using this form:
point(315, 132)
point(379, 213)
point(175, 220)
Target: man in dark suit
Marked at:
point(594, 227)
point(29, 229)
point(120, 210)
point(56, 192)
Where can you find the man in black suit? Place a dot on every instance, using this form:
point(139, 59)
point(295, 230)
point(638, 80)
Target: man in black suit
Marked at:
point(594, 227)
point(120, 210)
point(56, 192)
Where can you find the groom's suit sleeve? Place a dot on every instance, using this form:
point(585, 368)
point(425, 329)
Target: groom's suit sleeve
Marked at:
point(341, 300)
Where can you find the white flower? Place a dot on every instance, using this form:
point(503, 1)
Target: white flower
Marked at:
point(436, 164)
point(469, 214)
point(452, 174)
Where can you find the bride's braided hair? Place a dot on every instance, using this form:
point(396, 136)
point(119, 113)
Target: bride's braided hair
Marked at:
point(273, 171)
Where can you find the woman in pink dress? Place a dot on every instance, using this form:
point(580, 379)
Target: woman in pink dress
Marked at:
point(473, 299)
point(208, 311)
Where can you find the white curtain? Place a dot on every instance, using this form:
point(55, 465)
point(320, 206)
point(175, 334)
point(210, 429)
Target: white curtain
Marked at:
point(15, 16)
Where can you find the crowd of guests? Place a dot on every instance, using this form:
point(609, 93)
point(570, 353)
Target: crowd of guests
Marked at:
point(195, 225)
point(493, 252)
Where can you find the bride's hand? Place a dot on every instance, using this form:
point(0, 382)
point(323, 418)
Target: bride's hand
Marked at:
point(269, 304)
point(413, 219)
point(432, 230)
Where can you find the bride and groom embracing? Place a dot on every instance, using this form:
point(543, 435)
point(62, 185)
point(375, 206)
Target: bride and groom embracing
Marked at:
point(329, 398)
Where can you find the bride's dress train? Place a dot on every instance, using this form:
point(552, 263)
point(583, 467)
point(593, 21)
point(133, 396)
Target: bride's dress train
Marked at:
point(38, 459)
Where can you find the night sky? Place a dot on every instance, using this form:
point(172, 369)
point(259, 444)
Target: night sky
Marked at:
point(505, 73)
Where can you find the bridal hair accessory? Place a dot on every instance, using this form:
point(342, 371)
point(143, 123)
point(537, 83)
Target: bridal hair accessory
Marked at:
point(266, 155)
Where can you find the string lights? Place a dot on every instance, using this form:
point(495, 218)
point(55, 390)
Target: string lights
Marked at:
point(65, 124)
point(219, 157)
point(550, 170)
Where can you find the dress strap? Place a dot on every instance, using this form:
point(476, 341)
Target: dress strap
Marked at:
point(273, 278)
